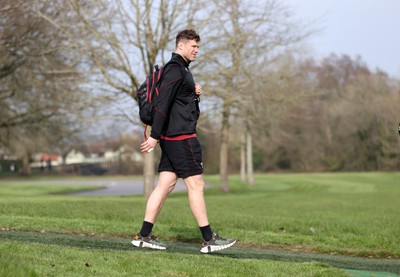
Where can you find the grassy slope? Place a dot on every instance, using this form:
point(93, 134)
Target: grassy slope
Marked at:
point(341, 213)
point(348, 213)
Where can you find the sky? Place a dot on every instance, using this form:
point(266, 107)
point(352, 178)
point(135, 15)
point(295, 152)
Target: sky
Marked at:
point(368, 28)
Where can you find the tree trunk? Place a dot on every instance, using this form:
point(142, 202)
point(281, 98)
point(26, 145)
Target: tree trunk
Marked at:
point(249, 144)
point(223, 166)
point(148, 174)
point(243, 159)
point(148, 170)
point(26, 169)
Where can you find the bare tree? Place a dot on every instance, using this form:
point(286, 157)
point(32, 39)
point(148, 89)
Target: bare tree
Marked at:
point(123, 40)
point(344, 119)
point(40, 98)
point(244, 39)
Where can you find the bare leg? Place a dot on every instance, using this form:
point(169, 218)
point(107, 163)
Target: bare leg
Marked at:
point(195, 186)
point(166, 183)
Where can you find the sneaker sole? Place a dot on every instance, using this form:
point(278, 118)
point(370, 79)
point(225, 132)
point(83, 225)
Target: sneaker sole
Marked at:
point(144, 244)
point(213, 248)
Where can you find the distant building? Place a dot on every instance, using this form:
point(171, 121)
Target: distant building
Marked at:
point(109, 157)
point(8, 163)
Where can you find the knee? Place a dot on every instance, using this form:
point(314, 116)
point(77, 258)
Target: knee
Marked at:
point(165, 188)
point(195, 183)
point(196, 186)
point(171, 187)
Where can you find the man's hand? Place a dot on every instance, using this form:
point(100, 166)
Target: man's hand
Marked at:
point(197, 90)
point(148, 145)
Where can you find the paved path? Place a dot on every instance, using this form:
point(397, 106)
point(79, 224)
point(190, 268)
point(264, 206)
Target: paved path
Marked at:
point(110, 187)
point(120, 187)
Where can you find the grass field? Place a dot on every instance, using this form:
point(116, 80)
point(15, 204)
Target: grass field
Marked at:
point(287, 225)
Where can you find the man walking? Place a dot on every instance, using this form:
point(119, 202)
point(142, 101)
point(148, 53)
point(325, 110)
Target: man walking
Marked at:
point(174, 127)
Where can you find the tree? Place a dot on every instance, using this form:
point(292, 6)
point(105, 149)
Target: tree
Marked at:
point(41, 101)
point(345, 121)
point(235, 54)
point(123, 40)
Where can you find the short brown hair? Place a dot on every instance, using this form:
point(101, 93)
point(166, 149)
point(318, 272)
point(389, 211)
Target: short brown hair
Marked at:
point(188, 34)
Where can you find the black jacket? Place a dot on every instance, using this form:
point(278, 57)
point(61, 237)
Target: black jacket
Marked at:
point(176, 109)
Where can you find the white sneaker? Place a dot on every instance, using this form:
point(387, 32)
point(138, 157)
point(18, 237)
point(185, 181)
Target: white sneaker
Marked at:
point(216, 243)
point(149, 242)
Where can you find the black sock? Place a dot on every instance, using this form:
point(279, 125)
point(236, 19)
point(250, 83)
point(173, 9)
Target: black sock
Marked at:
point(206, 232)
point(146, 229)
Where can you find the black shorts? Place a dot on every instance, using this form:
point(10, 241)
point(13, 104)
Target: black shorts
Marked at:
point(183, 157)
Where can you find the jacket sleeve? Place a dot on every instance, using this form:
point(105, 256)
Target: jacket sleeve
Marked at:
point(168, 89)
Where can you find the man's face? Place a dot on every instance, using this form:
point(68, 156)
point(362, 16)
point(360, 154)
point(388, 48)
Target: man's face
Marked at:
point(188, 49)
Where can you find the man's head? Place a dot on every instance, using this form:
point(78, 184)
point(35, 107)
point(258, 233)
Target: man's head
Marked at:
point(187, 44)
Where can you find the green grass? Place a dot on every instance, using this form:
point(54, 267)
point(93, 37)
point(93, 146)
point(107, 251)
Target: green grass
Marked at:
point(346, 213)
point(353, 214)
point(52, 260)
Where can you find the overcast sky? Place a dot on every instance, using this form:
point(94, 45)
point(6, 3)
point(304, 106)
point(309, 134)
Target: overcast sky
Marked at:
point(369, 28)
